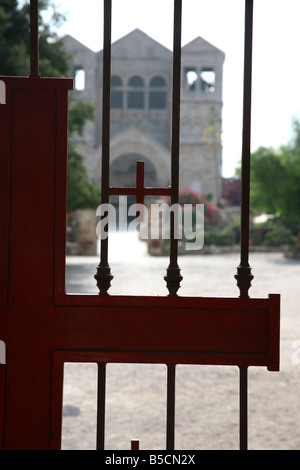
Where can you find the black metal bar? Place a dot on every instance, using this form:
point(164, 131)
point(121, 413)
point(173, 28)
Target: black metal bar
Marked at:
point(103, 276)
point(101, 406)
point(170, 442)
point(173, 277)
point(243, 408)
point(34, 39)
point(135, 444)
point(244, 276)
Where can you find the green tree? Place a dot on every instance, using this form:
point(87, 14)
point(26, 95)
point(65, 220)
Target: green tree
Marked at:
point(275, 181)
point(54, 61)
point(81, 193)
point(15, 45)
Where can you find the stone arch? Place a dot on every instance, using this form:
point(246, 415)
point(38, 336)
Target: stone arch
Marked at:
point(123, 171)
point(134, 142)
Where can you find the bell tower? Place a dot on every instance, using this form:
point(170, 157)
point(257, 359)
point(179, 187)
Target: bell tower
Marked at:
point(201, 111)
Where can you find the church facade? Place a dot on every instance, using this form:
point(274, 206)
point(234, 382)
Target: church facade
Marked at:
point(141, 111)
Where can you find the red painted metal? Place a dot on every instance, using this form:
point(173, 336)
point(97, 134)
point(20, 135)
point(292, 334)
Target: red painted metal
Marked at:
point(140, 191)
point(40, 323)
point(135, 444)
point(2, 400)
point(43, 327)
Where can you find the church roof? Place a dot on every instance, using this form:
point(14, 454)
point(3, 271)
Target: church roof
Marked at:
point(73, 44)
point(200, 45)
point(138, 45)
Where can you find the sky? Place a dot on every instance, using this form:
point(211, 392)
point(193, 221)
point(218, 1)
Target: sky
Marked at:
point(276, 55)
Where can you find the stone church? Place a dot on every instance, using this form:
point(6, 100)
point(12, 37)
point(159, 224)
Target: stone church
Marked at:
point(141, 111)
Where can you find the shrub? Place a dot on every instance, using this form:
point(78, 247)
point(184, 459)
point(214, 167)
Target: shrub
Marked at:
point(272, 233)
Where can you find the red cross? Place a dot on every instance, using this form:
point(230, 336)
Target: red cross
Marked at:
point(140, 191)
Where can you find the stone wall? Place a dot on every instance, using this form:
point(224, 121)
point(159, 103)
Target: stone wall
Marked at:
point(81, 233)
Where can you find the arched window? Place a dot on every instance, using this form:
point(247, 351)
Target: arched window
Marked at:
point(136, 96)
point(158, 82)
point(157, 97)
point(116, 98)
point(136, 81)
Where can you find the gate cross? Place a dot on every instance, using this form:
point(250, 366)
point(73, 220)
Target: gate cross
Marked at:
point(140, 191)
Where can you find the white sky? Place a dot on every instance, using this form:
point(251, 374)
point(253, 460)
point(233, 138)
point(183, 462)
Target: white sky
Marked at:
point(276, 57)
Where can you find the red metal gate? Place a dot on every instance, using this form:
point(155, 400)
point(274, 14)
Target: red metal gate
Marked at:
point(43, 328)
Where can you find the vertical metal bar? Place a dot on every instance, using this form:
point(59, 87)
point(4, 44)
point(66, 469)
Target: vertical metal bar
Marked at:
point(101, 406)
point(135, 444)
point(244, 276)
point(243, 408)
point(106, 102)
point(2, 401)
point(34, 39)
point(173, 277)
point(103, 276)
point(170, 442)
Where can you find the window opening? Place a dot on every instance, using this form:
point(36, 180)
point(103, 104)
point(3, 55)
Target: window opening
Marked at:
point(116, 81)
point(136, 99)
point(116, 101)
point(157, 99)
point(136, 81)
point(191, 79)
point(208, 80)
point(79, 79)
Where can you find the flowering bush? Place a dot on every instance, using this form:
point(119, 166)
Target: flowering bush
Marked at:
point(211, 211)
point(232, 191)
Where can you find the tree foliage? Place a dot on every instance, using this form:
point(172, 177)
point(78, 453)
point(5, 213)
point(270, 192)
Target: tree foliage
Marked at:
point(15, 44)
point(275, 180)
point(82, 193)
point(231, 191)
point(54, 61)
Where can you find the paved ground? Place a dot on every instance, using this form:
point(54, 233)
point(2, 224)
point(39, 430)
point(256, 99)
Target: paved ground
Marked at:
point(207, 397)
